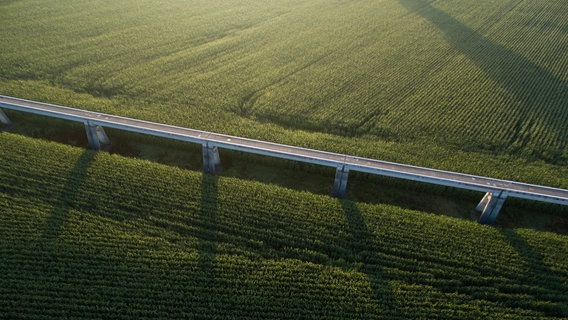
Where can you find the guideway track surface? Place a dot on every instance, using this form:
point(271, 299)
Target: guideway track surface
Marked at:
point(340, 161)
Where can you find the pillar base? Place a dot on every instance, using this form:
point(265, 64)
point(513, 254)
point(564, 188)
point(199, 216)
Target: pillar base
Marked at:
point(4, 119)
point(490, 206)
point(211, 160)
point(96, 136)
point(340, 183)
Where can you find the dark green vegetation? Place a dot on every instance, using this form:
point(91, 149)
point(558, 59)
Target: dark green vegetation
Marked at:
point(477, 87)
point(94, 235)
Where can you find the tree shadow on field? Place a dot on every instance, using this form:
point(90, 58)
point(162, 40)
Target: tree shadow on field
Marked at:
point(547, 277)
point(207, 243)
point(540, 94)
point(365, 251)
point(73, 183)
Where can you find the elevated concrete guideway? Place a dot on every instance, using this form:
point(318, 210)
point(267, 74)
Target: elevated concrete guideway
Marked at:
point(496, 190)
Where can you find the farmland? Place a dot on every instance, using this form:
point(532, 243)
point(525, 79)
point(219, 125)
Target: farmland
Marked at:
point(94, 235)
point(476, 87)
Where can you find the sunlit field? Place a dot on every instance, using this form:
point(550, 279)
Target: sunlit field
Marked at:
point(471, 86)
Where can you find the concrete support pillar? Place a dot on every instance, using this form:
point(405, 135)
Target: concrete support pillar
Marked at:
point(96, 135)
point(211, 159)
point(4, 118)
point(340, 184)
point(490, 206)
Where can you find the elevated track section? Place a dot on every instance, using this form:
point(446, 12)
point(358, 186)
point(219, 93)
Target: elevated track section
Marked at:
point(496, 190)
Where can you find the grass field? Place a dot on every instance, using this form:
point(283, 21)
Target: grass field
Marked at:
point(477, 87)
point(94, 235)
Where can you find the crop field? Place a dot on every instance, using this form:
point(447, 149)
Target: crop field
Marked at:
point(478, 87)
point(94, 235)
point(471, 86)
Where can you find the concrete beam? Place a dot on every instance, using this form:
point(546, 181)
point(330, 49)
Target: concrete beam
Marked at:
point(4, 118)
point(490, 206)
point(340, 183)
point(211, 159)
point(96, 136)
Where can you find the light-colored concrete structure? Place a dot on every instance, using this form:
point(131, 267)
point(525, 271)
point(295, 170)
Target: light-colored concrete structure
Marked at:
point(96, 136)
point(340, 183)
point(490, 206)
point(4, 118)
point(496, 190)
point(211, 159)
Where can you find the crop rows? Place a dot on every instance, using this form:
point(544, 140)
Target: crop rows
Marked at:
point(96, 235)
point(483, 77)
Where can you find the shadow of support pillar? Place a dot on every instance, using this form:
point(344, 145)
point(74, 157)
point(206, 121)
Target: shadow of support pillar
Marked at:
point(211, 159)
point(340, 183)
point(490, 206)
point(96, 136)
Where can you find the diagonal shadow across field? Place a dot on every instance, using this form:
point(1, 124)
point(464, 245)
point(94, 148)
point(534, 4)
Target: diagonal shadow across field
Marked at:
point(549, 278)
point(207, 243)
point(75, 179)
point(540, 94)
point(363, 246)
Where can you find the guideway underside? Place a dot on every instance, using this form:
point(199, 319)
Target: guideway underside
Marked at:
point(496, 190)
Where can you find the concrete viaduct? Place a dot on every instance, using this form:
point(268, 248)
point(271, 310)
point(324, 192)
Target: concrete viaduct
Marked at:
point(496, 190)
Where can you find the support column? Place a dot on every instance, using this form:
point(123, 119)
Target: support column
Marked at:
point(490, 206)
point(340, 184)
point(96, 136)
point(211, 159)
point(4, 118)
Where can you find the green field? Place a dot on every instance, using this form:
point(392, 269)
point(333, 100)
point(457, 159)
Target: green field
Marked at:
point(478, 87)
point(470, 86)
point(94, 235)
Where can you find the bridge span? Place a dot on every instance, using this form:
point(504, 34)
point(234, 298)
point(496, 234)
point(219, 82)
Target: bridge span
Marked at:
point(496, 190)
